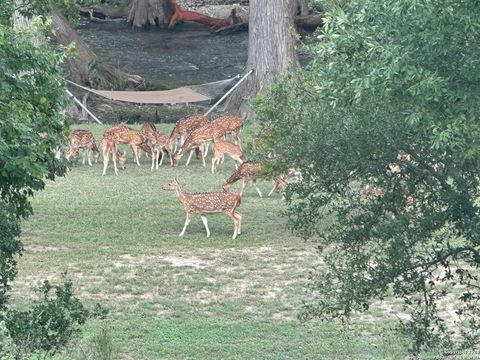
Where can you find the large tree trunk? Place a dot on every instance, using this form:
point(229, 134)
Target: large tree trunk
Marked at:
point(271, 50)
point(84, 67)
point(146, 13)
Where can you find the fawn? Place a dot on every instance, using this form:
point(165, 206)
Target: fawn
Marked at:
point(83, 139)
point(110, 143)
point(207, 203)
point(222, 147)
point(159, 144)
point(247, 171)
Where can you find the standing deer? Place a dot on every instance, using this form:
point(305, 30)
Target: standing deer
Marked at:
point(232, 125)
point(110, 143)
point(207, 203)
point(247, 171)
point(198, 139)
point(184, 127)
point(127, 135)
point(148, 130)
point(222, 147)
point(83, 139)
point(159, 144)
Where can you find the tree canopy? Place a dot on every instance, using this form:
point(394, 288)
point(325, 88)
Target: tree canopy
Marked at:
point(385, 124)
point(31, 121)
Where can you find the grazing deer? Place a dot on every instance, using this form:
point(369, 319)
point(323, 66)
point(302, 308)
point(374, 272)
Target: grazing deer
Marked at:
point(110, 143)
point(198, 139)
point(247, 171)
point(127, 135)
point(184, 127)
point(220, 148)
point(232, 125)
point(148, 130)
point(282, 180)
point(207, 203)
point(159, 144)
point(83, 139)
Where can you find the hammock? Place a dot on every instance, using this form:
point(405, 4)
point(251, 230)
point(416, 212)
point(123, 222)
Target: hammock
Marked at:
point(190, 94)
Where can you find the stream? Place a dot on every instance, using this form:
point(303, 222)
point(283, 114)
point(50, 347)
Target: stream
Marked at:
point(188, 55)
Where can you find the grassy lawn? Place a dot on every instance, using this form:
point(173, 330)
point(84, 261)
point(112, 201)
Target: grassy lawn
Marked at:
point(190, 297)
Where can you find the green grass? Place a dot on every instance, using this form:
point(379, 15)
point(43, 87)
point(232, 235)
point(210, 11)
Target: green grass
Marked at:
point(184, 298)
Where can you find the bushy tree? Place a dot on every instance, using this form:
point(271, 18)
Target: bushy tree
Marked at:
point(385, 125)
point(31, 120)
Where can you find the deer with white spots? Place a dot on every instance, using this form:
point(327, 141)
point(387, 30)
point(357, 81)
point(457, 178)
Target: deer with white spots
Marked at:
point(126, 135)
point(201, 137)
point(184, 127)
point(110, 143)
point(247, 171)
point(83, 139)
point(222, 147)
point(203, 203)
point(159, 144)
point(282, 180)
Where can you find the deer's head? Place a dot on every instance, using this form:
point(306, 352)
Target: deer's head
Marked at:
point(171, 186)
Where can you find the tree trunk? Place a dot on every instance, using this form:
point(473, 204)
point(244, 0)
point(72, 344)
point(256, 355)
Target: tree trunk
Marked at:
point(271, 50)
point(146, 13)
point(84, 67)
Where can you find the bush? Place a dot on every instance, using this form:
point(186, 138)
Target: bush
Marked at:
point(50, 323)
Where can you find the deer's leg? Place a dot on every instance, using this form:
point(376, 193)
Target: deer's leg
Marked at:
point(89, 155)
point(237, 140)
point(244, 184)
point(189, 157)
point(71, 152)
point(154, 158)
point(202, 156)
point(135, 152)
point(235, 224)
point(273, 189)
point(205, 222)
point(206, 150)
point(161, 160)
point(256, 187)
point(239, 222)
point(214, 160)
point(114, 158)
point(187, 221)
point(106, 158)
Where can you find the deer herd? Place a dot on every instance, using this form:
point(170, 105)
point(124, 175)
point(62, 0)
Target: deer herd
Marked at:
point(194, 133)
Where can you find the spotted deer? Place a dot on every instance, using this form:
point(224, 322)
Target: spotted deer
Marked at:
point(159, 144)
point(126, 135)
point(148, 130)
point(247, 171)
point(184, 127)
point(110, 143)
point(198, 139)
point(83, 139)
point(232, 125)
point(222, 147)
point(207, 203)
point(282, 180)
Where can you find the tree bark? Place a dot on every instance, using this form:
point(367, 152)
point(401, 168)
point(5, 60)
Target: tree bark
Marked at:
point(84, 67)
point(271, 50)
point(146, 13)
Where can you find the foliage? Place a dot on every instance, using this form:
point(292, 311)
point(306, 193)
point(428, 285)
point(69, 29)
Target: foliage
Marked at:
point(30, 8)
point(9, 247)
point(384, 122)
point(31, 123)
point(50, 323)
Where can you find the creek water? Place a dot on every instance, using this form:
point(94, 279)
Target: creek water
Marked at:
point(188, 55)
